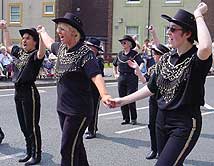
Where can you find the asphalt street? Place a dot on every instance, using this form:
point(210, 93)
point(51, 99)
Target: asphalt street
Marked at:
point(115, 145)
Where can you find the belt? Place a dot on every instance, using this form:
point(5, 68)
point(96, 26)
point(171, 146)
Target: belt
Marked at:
point(125, 74)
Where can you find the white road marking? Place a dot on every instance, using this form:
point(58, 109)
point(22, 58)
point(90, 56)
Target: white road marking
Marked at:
point(116, 112)
point(11, 156)
point(145, 126)
point(12, 94)
point(133, 129)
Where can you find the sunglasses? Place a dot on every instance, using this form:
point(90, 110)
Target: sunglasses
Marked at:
point(172, 29)
point(123, 42)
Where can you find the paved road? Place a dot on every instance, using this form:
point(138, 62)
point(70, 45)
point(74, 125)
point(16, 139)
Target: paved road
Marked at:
point(115, 145)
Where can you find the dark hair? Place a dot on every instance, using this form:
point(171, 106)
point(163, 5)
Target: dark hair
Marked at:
point(192, 37)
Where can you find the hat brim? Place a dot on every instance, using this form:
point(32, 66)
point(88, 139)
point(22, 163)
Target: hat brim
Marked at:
point(132, 41)
point(29, 31)
point(91, 44)
point(157, 50)
point(34, 34)
point(67, 21)
point(182, 24)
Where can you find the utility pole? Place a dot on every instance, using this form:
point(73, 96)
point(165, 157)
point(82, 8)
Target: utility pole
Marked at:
point(149, 15)
point(2, 17)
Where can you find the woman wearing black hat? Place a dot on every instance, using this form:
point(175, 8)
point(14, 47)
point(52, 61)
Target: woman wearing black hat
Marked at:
point(76, 67)
point(127, 80)
point(95, 46)
point(157, 52)
point(178, 82)
point(27, 64)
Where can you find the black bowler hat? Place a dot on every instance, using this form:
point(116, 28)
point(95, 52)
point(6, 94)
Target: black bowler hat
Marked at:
point(33, 33)
point(73, 20)
point(185, 20)
point(95, 43)
point(129, 38)
point(160, 49)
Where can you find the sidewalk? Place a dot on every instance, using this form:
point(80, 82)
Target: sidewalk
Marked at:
point(52, 82)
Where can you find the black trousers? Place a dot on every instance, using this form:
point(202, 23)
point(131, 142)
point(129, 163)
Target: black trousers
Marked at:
point(153, 109)
point(127, 84)
point(27, 101)
point(177, 134)
point(92, 127)
point(72, 148)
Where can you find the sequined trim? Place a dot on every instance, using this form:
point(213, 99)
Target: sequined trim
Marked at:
point(171, 76)
point(71, 61)
point(22, 60)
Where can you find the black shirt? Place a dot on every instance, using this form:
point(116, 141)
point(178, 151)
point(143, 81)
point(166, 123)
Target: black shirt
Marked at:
point(75, 68)
point(26, 66)
point(179, 80)
point(121, 61)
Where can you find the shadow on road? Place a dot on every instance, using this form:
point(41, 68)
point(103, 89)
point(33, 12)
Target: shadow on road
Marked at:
point(134, 143)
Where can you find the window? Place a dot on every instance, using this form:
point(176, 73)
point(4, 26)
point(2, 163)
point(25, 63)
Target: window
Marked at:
point(172, 1)
point(132, 30)
point(133, 1)
point(15, 14)
point(48, 9)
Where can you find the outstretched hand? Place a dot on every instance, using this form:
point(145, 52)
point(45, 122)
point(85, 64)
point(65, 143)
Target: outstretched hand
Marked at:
point(3, 24)
point(113, 103)
point(133, 64)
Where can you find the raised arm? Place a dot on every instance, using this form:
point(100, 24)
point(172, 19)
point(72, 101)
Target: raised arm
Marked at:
point(154, 35)
point(6, 36)
point(47, 40)
point(133, 64)
point(204, 38)
point(41, 51)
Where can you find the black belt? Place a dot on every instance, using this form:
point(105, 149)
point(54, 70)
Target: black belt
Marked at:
point(125, 74)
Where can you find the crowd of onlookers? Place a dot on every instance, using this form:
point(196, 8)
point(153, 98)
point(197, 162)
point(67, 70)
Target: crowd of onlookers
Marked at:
point(6, 65)
point(48, 67)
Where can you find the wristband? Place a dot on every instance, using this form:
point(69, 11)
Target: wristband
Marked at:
point(199, 17)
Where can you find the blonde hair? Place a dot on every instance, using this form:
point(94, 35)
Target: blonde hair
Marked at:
point(74, 32)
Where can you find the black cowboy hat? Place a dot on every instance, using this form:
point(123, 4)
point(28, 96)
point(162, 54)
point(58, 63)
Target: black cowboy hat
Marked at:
point(95, 43)
point(73, 20)
point(129, 38)
point(184, 19)
point(160, 49)
point(33, 33)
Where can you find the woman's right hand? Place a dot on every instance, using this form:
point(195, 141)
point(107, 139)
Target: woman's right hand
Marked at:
point(201, 9)
point(3, 24)
point(115, 102)
point(133, 64)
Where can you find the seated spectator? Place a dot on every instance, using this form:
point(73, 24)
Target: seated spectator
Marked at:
point(6, 61)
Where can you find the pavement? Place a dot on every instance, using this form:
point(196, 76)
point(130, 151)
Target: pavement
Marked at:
point(8, 84)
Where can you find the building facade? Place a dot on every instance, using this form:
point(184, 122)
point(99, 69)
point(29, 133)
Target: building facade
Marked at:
point(96, 16)
point(21, 14)
point(132, 17)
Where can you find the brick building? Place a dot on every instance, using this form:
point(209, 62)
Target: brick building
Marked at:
point(209, 17)
point(88, 10)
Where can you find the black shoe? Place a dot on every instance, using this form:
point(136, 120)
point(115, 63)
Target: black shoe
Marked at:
point(125, 122)
point(87, 132)
point(90, 136)
point(25, 158)
point(151, 155)
point(1, 135)
point(33, 160)
point(134, 122)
